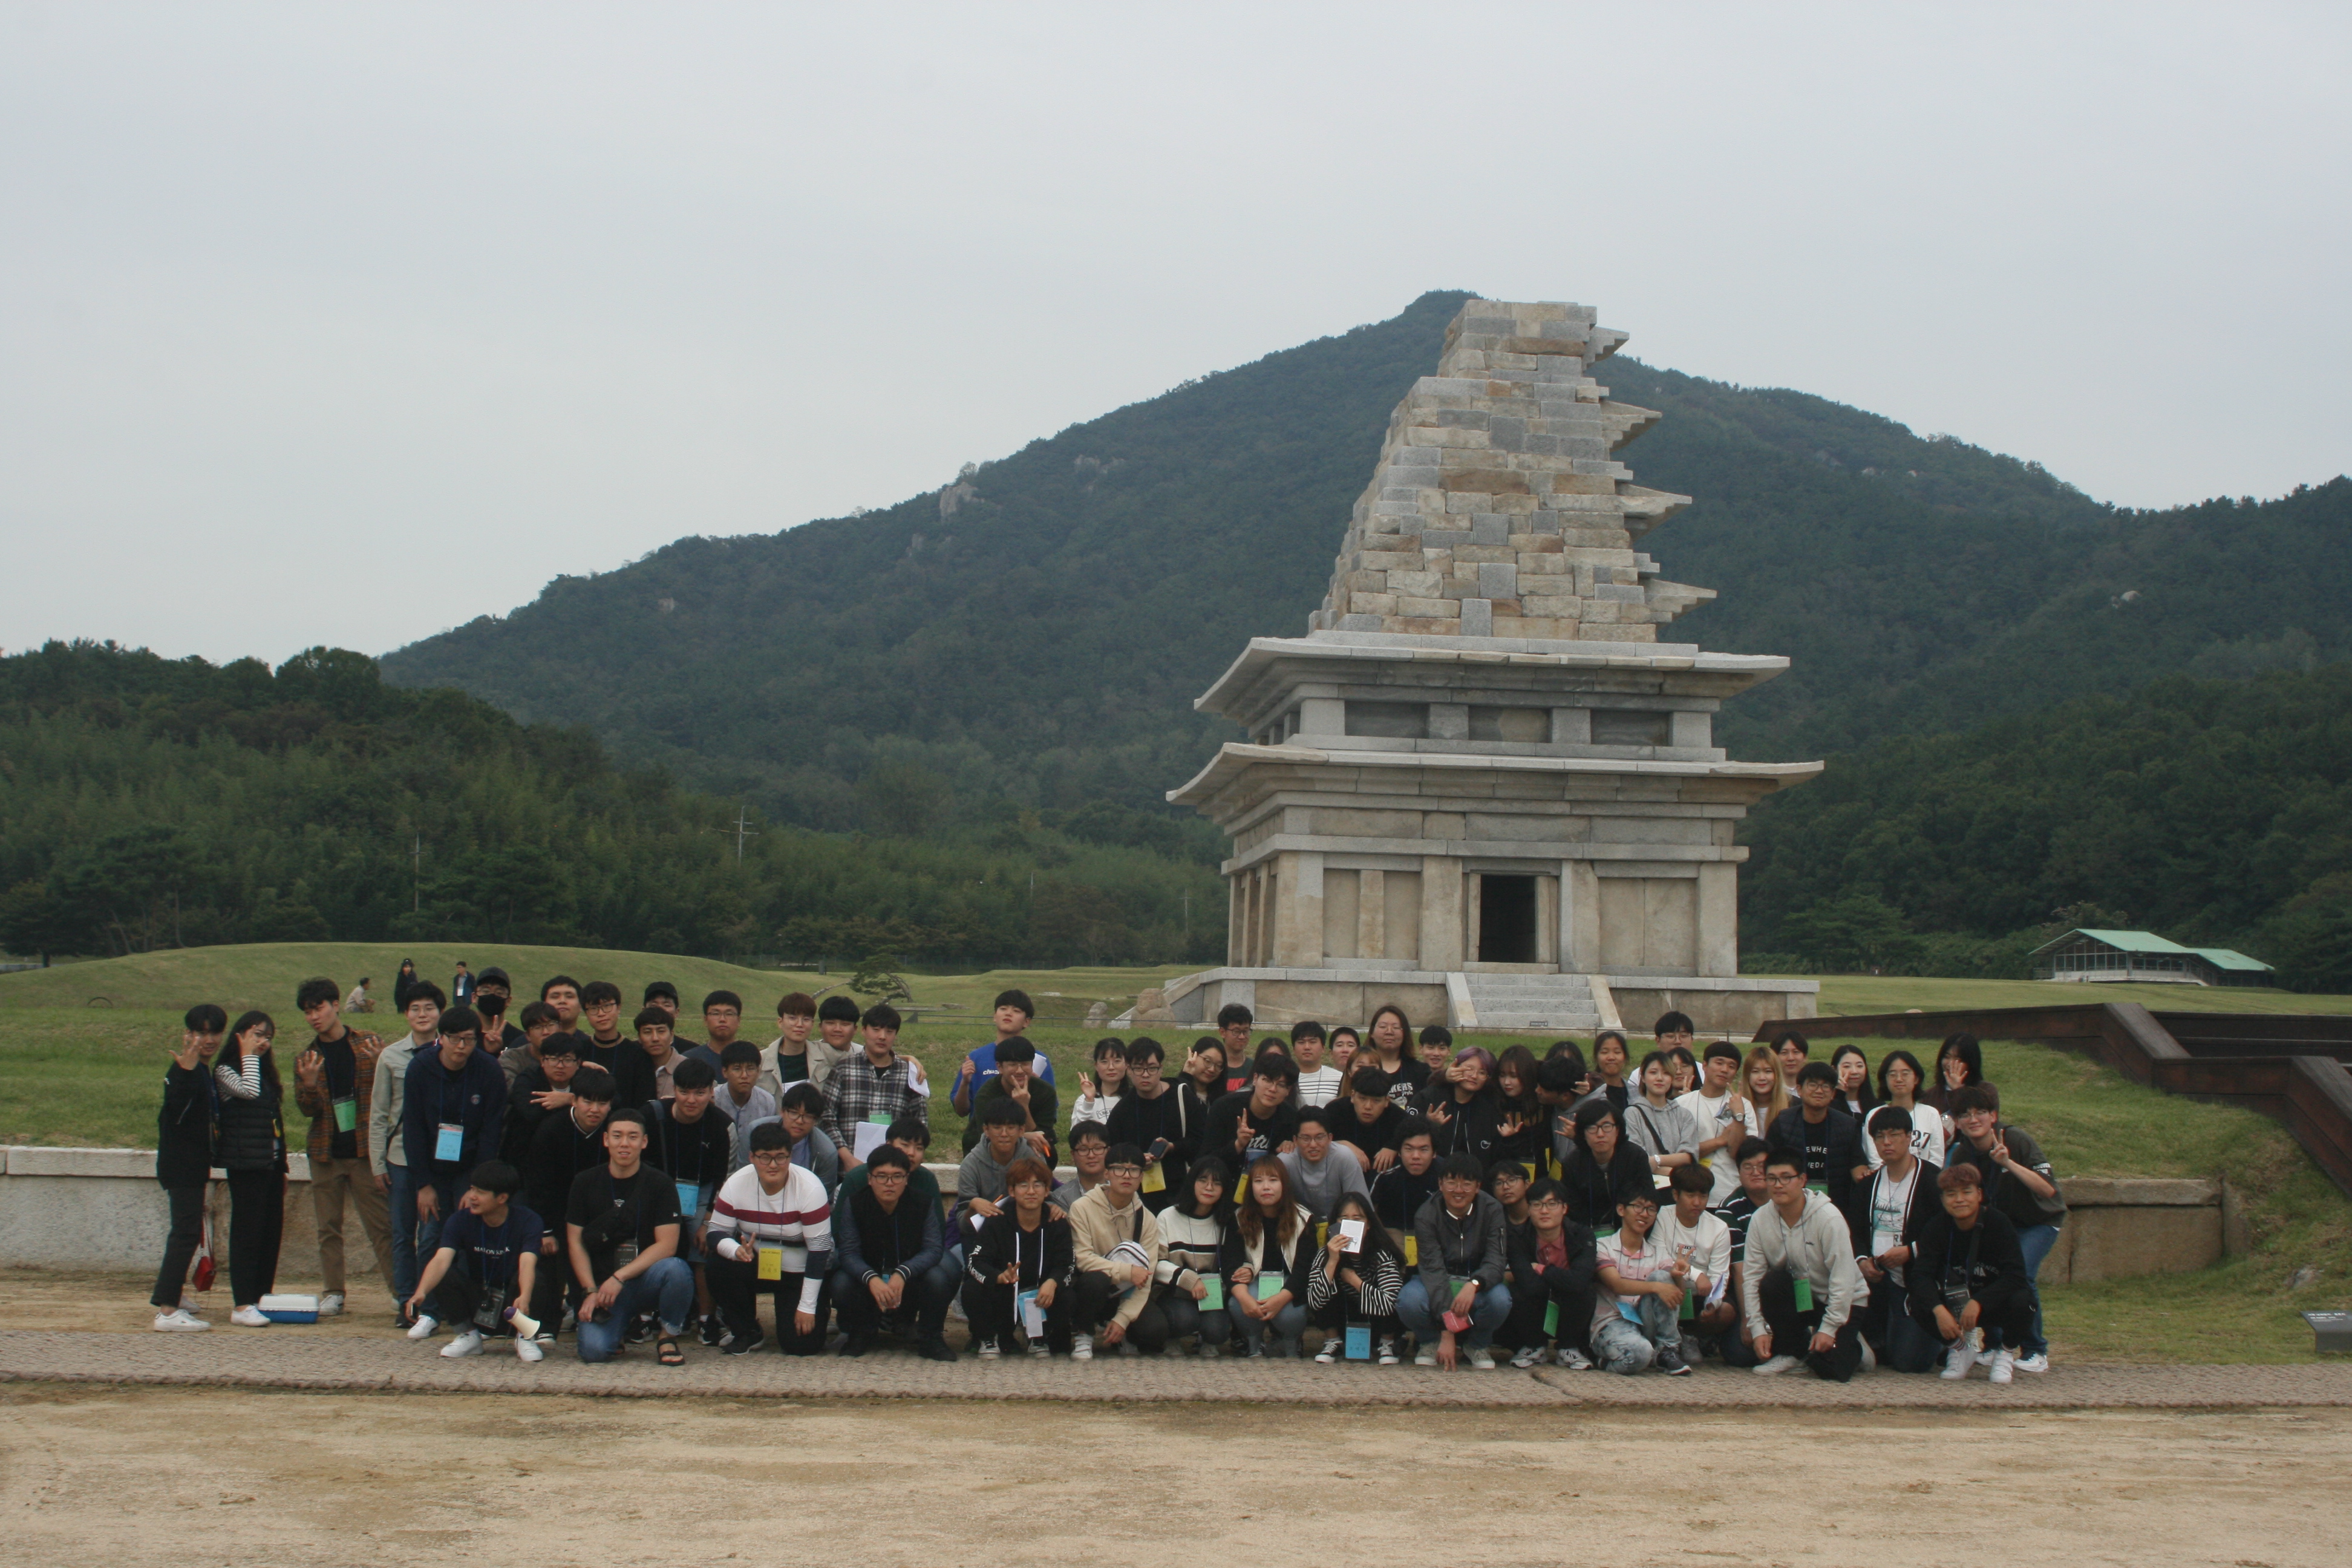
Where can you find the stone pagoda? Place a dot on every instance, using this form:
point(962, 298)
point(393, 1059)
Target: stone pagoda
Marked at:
point(1480, 786)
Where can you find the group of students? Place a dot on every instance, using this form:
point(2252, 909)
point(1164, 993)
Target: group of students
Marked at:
point(1358, 1196)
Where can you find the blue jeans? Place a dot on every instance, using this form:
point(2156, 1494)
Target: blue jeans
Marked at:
point(668, 1288)
point(2035, 1241)
point(1486, 1315)
point(1626, 1348)
point(400, 1207)
point(1282, 1331)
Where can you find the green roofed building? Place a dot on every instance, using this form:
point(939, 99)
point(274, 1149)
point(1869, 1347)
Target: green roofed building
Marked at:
point(2144, 956)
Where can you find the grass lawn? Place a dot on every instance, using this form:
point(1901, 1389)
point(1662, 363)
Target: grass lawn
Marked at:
point(82, 1048)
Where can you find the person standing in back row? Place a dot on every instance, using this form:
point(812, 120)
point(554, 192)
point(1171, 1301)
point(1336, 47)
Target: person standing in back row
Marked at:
point(335, 1086)
point(387, 1147)
point(252, 1150)
point(183, 1160)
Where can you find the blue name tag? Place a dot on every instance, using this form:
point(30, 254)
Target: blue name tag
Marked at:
point(1360, 1341)
point(689, 1199)
point(449, 1143)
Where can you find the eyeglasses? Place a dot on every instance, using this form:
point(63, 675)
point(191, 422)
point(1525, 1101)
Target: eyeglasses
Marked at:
point(1125, 1170)
point(1784, 1177)
point(772, 1157)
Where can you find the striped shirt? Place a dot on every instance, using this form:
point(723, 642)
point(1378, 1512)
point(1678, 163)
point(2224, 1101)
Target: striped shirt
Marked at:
point(799, 1219)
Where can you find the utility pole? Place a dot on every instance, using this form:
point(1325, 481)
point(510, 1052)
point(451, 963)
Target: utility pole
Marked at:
point(743, 829)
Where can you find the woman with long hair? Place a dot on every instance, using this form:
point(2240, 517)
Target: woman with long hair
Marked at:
point(1358, 1284)
point(1767, 1095)
point(402, 983)
point(1853, 1069)
point(1959, 1064)
point(1099, 1094)
point(1273, 1249)
point(1460, 1104)
point(252, 1150)
point(1901, 1082)
point(1524, 1135)
point(1389, 1042)
point(1196, 1231)
point(1602, 1166)
point(1664, 1130)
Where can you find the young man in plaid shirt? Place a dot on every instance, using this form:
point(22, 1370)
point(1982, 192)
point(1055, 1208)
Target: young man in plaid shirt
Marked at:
point(876, 1085)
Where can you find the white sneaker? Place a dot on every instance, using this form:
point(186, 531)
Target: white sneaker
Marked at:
point(1525, 1356)
point(1082, 1347)
point(1386, 1354)
point(331, 1305)
point(464, 1344)
point(1425, 1358)
point(1869, 1357)
point(2003, 1364)
point(423, 1328)
point(1957, 1362)
point(2032, 1362)
point(989, 1350)
point(1483, 1358)
point(1039, 1349)
point(179, 1320)
point(1776, 1365)
point(248, 1318)
point(1573, 1359)
point(528, 1349)
point(1329, 1353)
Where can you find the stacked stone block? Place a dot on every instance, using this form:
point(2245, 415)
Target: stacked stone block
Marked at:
point(1497, 509)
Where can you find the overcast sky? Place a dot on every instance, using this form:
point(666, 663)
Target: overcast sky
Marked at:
point(346, 324)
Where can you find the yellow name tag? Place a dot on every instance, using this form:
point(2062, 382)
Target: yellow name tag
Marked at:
point(772, 1263)
point(1413, 1252)
point(1155, 1179)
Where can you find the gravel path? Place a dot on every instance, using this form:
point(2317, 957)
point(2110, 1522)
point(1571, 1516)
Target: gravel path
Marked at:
point(292, 1358)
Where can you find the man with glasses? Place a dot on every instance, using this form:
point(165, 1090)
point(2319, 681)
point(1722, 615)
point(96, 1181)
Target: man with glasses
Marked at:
point(1799, 1286)
point(771, 1231)
point(886, 1270)
point(1157, 1118)
point(1114, 1241)
point(1318, 1178)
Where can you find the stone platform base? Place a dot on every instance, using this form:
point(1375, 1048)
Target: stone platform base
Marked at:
point(1717, 1005)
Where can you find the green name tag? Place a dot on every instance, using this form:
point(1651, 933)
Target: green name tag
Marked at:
point(347, 1115)
point(1804, 1294)
point(1552, 1321)
point(1215, 1302)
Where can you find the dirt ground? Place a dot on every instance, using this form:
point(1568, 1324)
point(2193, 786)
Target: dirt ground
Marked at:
point(195, 1478)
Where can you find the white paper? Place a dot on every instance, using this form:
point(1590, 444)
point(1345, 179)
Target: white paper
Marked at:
point(870, 1136)
point(1032, 1316)
point(1352, 1235)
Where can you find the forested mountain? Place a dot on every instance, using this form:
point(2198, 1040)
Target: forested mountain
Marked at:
point(147, 803)
point(2218, 812)
point(1037, 632)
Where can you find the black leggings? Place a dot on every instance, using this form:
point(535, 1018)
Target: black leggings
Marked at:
point(988, 1309)
point(736, 1289)
point(180, 1249)
point(257, 1223)
point(1099, 1301)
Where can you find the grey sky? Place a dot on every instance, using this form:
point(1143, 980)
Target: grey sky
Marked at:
point(338, 324)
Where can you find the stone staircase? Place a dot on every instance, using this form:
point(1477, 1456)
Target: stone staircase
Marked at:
point(1562, 1004)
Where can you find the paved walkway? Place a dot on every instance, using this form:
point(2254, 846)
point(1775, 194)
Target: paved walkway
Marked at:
point(286, 1358)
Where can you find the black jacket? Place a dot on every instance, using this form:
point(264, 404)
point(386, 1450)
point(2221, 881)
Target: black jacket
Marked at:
point(559, 1152)
point(1995, 1277)
point(1583, 1261)
point(1924, 1206)
point(251, 1137)
point(1397, 1195)
point(1832, 1150)
point(1593, 1193)
point(1143, 1122)
point(183, 1128)
point(1225, 1126)
point(1475, 1129)
point(1044, 1254)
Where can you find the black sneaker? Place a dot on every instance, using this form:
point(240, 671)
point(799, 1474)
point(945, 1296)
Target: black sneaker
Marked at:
point(641, 1329)
point(856, 1344)
point(743, 1347)
point(1671, 1362)
point(935, 1348)
point(711, 1329)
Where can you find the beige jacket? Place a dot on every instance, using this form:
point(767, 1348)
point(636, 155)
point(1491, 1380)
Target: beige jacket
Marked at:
point(1096, 1228)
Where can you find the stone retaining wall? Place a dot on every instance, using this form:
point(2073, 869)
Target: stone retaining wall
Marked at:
point(100, 1209)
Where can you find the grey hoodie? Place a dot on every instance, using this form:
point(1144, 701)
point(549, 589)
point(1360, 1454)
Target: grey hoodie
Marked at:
point(1818, 1247)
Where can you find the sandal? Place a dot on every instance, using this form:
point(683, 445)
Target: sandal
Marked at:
point(666, 1349)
